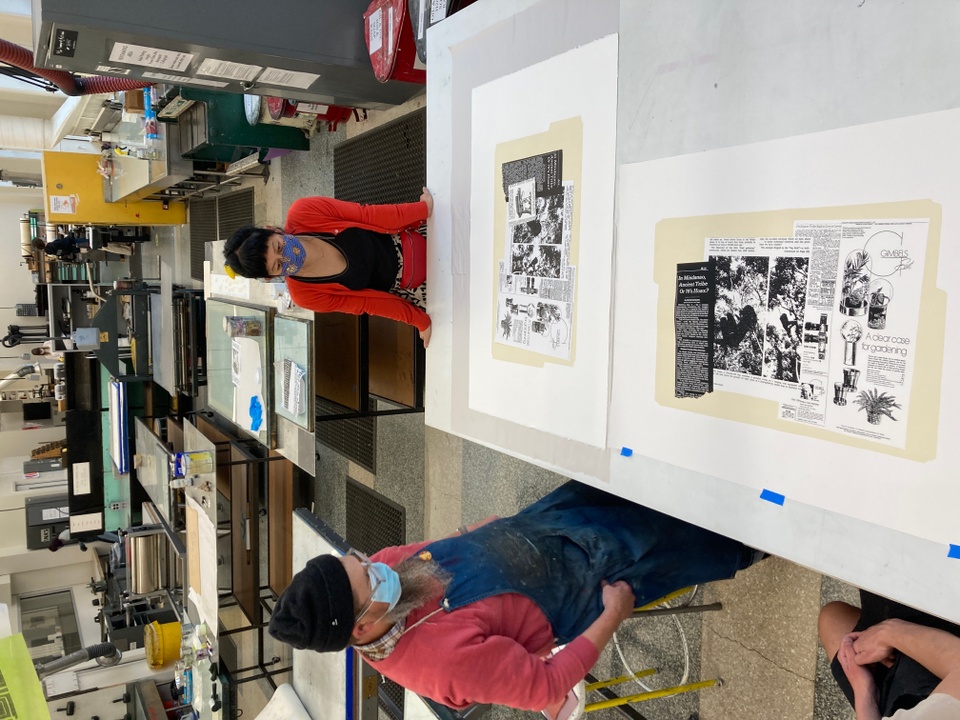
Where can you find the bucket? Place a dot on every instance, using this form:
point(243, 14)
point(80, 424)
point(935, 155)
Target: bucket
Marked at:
point(279, 111)
point(280, 108)
point(192, 463)
point(161, 643)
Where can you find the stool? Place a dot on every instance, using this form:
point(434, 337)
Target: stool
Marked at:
point(651, 609)
point(616, 700)
point(575, 704)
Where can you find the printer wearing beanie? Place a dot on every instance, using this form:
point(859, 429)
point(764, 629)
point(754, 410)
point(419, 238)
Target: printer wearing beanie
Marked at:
point(316, 612)
point(472, 618)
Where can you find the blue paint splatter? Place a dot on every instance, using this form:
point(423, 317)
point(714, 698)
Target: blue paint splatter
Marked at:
point(256, 413)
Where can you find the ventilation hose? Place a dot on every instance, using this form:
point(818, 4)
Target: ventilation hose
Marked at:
point(106, 654)
point(68, 83)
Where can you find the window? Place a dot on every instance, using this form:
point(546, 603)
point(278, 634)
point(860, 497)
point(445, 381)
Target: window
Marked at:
point(49, 625)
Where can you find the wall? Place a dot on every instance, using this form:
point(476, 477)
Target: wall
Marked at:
point(14, 442)
point(42, 568)
point(19, 100)
point(29, 383)
point(19, 132)
point(17, 285)
point(6, 595)
point(11, 472)
point(20, 162)
point(17, 564)
point(13, 519)
point(12, 515)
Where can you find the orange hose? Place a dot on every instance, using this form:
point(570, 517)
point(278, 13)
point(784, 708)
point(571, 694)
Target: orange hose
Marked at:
point(68, 83)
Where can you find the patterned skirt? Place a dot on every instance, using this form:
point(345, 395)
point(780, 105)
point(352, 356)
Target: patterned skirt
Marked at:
point(417, 296)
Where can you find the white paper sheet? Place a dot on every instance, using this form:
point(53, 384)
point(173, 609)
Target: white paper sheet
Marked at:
point(81, 478)
point(61, 683)
point(225, 286)
point(249, 380)
point(376, 31)
point(287, 78)
point(567, 401)
point(205, 597)
point(150, 57)
point(913, 158)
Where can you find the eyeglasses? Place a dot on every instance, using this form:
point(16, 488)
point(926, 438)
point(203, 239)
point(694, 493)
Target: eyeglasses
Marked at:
point(373, 577)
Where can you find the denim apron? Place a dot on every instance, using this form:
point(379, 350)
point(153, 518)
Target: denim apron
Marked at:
point(556, 552)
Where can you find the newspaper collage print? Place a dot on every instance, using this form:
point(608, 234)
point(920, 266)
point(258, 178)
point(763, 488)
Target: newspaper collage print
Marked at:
point(824, 323)
point(536, 287)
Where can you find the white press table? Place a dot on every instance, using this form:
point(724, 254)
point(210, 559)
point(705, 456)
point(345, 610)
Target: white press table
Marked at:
point(714, 112)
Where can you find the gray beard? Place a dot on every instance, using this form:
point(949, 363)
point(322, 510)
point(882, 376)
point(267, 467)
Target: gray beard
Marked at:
point(420, 581)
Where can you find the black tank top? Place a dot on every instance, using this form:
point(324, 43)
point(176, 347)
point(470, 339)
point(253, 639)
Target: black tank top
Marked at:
point(371, 260)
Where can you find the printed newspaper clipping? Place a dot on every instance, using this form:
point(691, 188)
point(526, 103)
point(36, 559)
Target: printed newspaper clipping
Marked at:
point(824, 322)
point(537, 284)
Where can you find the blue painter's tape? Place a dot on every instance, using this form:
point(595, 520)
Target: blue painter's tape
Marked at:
point(954, 552)
point(626, 452)
point(770, 496)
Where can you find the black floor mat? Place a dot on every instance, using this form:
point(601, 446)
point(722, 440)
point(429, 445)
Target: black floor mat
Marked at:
point(354, 438)
point(385, 165)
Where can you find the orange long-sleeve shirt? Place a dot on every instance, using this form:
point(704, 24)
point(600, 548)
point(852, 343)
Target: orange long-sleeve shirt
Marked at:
point(490, 651)
point(326, 215)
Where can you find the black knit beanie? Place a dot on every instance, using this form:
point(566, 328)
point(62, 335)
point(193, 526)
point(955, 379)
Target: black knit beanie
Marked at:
point(316, 611)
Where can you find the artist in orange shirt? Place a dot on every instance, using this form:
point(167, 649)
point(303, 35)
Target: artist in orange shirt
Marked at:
point(343, 257)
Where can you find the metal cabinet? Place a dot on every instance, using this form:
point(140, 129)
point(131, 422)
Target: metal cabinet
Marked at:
point(288, 48)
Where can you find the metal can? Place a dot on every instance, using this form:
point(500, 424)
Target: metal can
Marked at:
point(241, 325)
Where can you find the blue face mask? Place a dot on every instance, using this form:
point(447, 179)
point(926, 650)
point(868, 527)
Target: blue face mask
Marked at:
point(292, 255)
point(388, 591)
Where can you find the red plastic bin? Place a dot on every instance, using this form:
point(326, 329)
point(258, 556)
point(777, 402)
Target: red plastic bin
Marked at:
point(393, 52)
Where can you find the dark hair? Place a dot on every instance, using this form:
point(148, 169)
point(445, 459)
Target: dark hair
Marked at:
point(38, 351)
point(38, 243)
point(246, 251)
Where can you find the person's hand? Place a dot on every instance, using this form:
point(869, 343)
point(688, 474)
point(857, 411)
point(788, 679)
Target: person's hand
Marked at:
point(871, 645)
point(618, 599)
point(425, 335)
point(426, 197)
point(861, 680)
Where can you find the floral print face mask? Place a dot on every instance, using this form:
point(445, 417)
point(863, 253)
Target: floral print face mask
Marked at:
point(292, 255)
